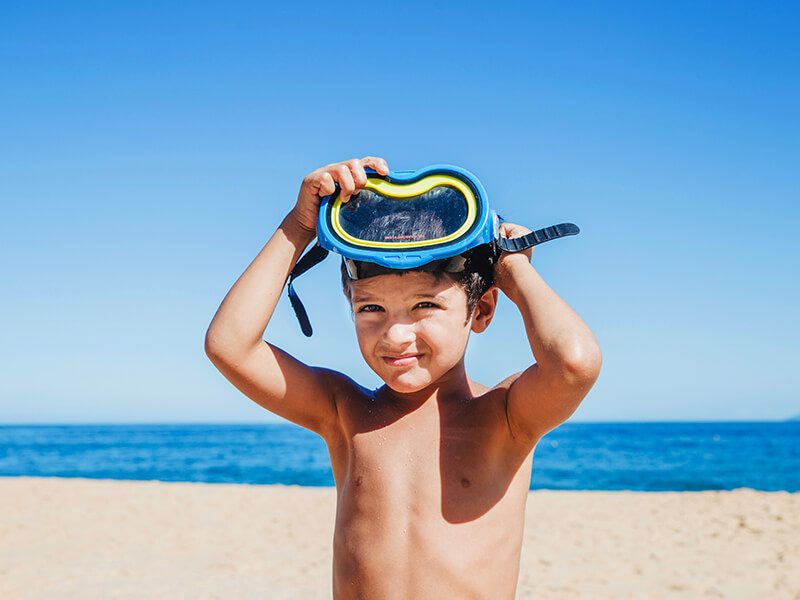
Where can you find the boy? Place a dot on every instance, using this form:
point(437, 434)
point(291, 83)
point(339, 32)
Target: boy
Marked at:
point(432, 469)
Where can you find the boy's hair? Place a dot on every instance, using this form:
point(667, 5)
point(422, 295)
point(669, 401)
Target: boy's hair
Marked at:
point(478, 273)
point(476, 278)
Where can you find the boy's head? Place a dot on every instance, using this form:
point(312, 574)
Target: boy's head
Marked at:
point(422, 315)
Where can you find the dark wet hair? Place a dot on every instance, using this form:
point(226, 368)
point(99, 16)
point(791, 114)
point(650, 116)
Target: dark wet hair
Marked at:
point(475, 280)
point(477, 276)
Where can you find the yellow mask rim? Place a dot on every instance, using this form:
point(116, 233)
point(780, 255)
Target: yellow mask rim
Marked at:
point(404, 192)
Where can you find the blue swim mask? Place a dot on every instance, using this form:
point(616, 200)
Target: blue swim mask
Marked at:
point(434, 218)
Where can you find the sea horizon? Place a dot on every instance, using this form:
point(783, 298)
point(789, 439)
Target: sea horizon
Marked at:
point(635, 456)
point(288, 424)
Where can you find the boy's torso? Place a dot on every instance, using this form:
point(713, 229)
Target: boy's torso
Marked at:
point(430, 503)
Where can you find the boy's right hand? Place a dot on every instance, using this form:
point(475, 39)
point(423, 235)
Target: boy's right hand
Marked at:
point(350, 176)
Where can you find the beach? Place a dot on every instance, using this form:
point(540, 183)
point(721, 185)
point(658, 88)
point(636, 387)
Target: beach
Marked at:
point(83, 538)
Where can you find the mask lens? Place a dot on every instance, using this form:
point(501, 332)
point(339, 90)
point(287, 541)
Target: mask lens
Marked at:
point(371, 216)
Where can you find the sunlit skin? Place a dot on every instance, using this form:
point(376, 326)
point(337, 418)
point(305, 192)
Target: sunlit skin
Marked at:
point(432, 469)
point(416, 314)
point(431, 483)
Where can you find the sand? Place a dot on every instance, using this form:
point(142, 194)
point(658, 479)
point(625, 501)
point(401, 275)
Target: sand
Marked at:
point(80, 538)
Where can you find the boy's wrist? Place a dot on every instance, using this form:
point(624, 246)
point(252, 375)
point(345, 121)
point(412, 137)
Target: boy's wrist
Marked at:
point(509, 273)
point(295, 230)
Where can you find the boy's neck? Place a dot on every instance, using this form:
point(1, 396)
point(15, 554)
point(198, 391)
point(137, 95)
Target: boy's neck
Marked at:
point(454, 387)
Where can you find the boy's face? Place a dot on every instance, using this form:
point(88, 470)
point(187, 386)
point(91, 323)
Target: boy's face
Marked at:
point(415, 317)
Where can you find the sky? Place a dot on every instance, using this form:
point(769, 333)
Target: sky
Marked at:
point(149, 150)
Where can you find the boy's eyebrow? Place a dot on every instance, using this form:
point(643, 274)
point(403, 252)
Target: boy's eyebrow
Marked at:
point(427, 295)
point(420, 295)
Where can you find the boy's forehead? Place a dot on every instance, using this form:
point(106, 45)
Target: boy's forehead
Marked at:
point(405, 285)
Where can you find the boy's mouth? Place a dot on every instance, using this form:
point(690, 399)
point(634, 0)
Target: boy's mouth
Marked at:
point(402, 360)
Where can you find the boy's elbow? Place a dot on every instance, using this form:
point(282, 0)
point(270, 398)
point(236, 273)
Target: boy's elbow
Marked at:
point(211, 346)
point(223, 348)
point(583, 362)
point(216, 347)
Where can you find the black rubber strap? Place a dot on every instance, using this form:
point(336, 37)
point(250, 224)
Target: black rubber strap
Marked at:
point(310, 259)
point(317, 254)
point(539, 236)
point(313, 257)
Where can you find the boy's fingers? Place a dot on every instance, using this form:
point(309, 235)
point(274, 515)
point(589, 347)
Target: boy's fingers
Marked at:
point(511, 230)
point(346, 184)
point(350, 175)
point(358, 173)
point(376, 163)
point(326, 184)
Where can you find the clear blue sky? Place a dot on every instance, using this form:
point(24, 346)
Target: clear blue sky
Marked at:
point(148, 150)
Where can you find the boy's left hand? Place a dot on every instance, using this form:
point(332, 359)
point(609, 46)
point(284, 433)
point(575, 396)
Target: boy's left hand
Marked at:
point(503, 270)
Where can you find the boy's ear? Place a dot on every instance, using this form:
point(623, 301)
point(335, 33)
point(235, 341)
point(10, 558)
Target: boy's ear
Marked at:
point(484, 310)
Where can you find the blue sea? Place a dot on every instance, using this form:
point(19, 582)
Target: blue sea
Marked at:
point(579, 456)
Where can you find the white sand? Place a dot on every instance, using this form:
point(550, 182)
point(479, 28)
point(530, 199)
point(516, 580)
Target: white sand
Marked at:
point(79, 538)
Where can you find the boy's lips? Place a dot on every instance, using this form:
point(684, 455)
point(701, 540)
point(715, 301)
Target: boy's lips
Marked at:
point(401, 360)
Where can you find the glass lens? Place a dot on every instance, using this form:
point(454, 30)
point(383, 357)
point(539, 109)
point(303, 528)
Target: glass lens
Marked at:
point(371, 216)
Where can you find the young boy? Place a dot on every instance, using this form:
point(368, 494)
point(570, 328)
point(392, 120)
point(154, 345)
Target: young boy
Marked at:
point(432, 469)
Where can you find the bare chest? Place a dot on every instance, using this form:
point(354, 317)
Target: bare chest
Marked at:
point(436, 499)
point(453, 464)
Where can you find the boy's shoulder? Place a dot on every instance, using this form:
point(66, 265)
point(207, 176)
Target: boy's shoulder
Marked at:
point(350, 396)
point(500, 395)
point(342, 385)
point(506, 383)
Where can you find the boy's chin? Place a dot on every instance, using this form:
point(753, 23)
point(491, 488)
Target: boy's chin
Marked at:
point(405, 384)
point(404, 389)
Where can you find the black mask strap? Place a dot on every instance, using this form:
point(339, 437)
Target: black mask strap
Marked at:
point(537, 237)
point(317, 254)
point(311, 258)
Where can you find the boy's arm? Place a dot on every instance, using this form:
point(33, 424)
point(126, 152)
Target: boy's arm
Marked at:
point(266, 374)
point(568, 358)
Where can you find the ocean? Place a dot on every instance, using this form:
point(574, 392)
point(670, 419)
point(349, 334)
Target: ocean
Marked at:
point(576, 456)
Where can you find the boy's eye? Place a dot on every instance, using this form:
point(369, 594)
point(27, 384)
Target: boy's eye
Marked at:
point(370, 308)
point(428, 305)
point(376, 308)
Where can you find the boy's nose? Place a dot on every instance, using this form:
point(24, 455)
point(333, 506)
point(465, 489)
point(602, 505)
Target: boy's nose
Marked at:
point(398, 334)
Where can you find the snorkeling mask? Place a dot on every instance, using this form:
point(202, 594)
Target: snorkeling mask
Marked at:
point(429, 219)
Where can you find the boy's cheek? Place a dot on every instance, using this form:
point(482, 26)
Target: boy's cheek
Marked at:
point(362, 329)
point(366, 344)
